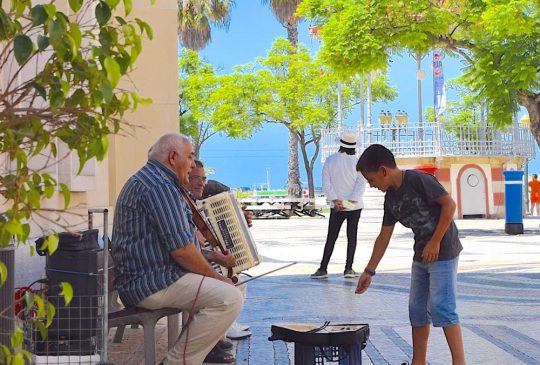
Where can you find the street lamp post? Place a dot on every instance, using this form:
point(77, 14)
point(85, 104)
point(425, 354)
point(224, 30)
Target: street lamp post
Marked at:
point(339, 105)
point(268, 178)
point(525, 121)
point(362, 102)
point(369, 107)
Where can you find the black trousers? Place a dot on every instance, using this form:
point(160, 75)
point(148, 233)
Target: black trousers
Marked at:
point(334, 226)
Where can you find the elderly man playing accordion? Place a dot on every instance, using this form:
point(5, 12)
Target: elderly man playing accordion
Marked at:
point(158, 263)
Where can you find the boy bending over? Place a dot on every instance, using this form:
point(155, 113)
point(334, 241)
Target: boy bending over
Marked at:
point(418, 201)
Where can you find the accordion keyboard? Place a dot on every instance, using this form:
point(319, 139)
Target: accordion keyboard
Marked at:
point(223, 212)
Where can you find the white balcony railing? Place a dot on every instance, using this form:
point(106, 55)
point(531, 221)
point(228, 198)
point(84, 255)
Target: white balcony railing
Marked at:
point(436, 140)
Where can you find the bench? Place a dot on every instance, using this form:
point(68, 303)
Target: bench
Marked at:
point(268, 210)
point(147, 319)
point(308, 208)
point(120, 317)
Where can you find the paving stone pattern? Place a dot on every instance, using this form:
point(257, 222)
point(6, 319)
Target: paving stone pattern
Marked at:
point(498, 302)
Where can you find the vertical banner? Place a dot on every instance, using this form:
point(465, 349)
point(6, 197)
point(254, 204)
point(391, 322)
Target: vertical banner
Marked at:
point(438, 85)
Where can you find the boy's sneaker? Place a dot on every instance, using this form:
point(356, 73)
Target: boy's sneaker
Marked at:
point(349, 274)
point(320, 274)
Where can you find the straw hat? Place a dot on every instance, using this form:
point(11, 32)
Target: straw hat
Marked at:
point(348, 140)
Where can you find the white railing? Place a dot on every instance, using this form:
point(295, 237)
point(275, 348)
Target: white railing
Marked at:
point(436, 140)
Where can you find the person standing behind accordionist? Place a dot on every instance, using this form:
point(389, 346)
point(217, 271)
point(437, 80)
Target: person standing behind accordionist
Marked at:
point(197, 184)
point(198, 188)
point(157, 263)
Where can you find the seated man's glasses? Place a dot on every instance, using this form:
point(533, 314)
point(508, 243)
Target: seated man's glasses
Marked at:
point(197, 178)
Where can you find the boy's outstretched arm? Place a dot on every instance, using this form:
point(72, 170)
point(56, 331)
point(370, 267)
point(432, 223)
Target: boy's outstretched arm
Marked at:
point(448, 207)
point(379, 248)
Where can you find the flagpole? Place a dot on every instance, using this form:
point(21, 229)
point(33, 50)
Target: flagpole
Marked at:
point(439, 95)
point(436, 119)
point(419, 77)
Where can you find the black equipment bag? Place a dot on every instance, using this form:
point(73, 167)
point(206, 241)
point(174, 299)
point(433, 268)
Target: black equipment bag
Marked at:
point(77, 260)
point(72, 241)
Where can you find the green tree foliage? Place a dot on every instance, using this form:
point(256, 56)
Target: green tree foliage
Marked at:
point(497, 39)
point(198, 92)
point(197, 82)
point(61, 72)
point(290, 88)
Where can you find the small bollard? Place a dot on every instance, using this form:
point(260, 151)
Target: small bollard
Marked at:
point(513, 202)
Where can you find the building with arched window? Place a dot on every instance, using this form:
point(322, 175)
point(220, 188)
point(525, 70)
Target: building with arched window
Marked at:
point(467, 160)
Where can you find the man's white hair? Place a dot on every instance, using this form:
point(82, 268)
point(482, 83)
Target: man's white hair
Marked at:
point(165, 144)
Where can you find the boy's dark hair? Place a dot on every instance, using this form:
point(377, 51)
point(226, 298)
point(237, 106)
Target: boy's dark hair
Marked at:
point(198, 163)
point(349, 151)
point(535, 176)
point(374, 157)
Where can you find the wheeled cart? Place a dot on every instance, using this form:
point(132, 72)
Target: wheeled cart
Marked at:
point(77, 333)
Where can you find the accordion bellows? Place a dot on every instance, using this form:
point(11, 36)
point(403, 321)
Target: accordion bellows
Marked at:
point(224, 214)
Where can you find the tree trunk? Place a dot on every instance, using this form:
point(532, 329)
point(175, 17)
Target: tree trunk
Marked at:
point(197, 142)
point(292, 31)
point(293, 180)
point(309, 163)
point(196, 150)
point(532, 104)
point(317, 143)
point(309, 170)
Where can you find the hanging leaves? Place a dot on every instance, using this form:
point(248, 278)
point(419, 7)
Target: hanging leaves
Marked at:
point(103, 13)
point(22, 47)
point(68, 95)
point(66, 292)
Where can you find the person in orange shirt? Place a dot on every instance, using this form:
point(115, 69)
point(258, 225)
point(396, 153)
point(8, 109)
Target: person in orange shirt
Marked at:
point(534, 188)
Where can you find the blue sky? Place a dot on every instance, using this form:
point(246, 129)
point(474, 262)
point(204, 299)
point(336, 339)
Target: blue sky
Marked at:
point(248, 163)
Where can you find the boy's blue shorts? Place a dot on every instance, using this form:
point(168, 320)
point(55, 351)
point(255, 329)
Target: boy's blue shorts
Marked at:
point(433, 293)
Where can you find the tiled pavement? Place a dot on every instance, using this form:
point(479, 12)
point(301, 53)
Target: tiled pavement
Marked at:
point(499, 295)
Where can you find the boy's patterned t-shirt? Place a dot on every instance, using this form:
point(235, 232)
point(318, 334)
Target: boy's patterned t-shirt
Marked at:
point(414, 205)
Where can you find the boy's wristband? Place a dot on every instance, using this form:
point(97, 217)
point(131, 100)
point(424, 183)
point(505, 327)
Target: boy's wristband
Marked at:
point(369, 272)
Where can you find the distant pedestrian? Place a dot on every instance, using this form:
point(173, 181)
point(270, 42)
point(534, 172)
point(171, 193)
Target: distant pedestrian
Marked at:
point(418, 201)
point(344, 188)
point(534, 188)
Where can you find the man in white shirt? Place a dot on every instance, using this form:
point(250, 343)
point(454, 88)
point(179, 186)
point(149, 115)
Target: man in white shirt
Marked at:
point(344, 188)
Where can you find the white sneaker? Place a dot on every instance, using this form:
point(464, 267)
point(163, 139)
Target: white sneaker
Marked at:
point(241, 326)
point(235, 333)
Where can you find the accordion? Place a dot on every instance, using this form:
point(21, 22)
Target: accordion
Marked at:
point(226, 217)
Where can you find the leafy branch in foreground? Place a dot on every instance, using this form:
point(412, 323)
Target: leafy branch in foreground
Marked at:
point(61, 85)
point(64, 68)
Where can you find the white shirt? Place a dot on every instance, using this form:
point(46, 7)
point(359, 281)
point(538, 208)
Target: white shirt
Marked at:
point(342, 181)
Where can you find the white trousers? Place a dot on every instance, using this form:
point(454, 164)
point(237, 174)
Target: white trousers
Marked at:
point(215, 307)
point(243, 290)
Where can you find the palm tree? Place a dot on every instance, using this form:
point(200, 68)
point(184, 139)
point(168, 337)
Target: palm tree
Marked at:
point(284, 11)
point(195, 18)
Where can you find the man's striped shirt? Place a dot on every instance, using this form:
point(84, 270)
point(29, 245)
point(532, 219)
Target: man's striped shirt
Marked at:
point(151, 219)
